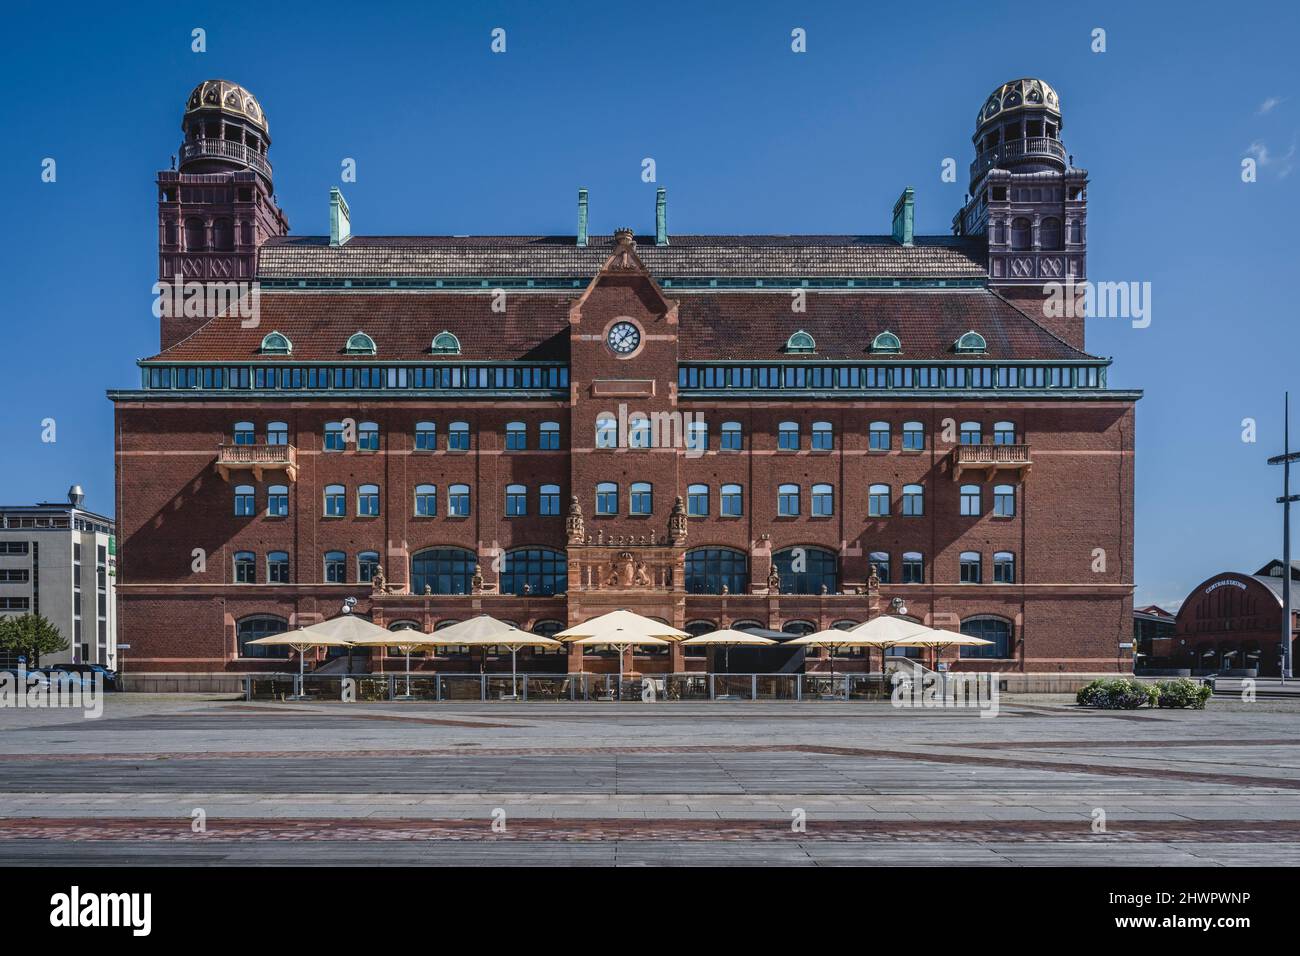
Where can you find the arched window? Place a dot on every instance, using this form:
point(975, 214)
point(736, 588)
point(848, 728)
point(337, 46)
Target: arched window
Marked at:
point(823, 437)
point(335, 503)
point(695, 629)
point(277, 433)
point(548, 500)
point(708, 570)
point(336, 567)
point(788, 436)
point(245, 567)
point(1021, 234)
point(458, 504)
point(516, 436)
point(606, 433)
point(277, 501)
point(913, 501)
point(426, 501)
point(335, 437)
point(223, 235)
point(367, 564)
point(1049, 233)
point(607, 498)
point(970, 433)
point(878, 501)
point(444, 343)
point(879, 436)
point(787, 501)
point(971, 342)
point(995, 629)
point(798, 627)
point(243, 433)
point(543, 570)
point(732, 437)
point(971, 572)
point(245, 498)
point(1004, 433)
point(823, 501)
point(516, 501)
point(442, 571)
point(970, 501)
point(548, 628)
point(458, 436)
point(548, 436)
point(800, 342)
point(1004, 501)
point(368, 501)
point(886, 343)
point(731, 501)
point(697, 501)
point(808, 570)
point(1004, 567)
point(368, 436)
point(913, 567)
point(258, 626)
point(641, 499)
point(360, 344)
point(277, 567)
point(195, 235)
point(273, 343)
point(880, 561)
point(747, 626)
point(426, 436)
point(913, 436)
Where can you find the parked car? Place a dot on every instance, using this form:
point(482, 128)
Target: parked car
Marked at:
point(58, 673)
point(87, 671)
point(36, 676)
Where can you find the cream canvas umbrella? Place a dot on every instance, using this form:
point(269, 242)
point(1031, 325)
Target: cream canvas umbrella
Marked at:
point(727, 638)
point(939, 640)
point(405, 640)
point(486, 631)
point(621, 629)
point(831, 639)
point(300, 640)
point(885, 632)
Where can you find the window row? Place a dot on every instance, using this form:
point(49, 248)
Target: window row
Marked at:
point(640, 433)
point(334, 568)
point(879, 501)
point(849, 377)
point(808, 570)
point(351, 378)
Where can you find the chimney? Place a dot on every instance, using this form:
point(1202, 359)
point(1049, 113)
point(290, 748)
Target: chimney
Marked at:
point(76, 496)
point(904, 217)
point(340, 218)
point(582, 217)
point(661, 216)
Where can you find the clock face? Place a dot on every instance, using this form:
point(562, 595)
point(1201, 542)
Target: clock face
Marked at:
point(624, 338)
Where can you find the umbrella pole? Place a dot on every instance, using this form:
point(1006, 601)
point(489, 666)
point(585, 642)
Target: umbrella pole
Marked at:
point(302, 654)
point(514, 670)
point(408, 670)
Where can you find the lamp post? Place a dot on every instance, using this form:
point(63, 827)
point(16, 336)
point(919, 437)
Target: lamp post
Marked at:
point(1285, 501)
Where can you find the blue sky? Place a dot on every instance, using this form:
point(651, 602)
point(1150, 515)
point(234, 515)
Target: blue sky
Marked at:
point(747, 136)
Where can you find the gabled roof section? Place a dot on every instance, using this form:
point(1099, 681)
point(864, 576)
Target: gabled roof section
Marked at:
point(385, 257)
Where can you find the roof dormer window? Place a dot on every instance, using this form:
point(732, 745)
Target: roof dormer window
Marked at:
point(886, 343)
point(444, 343)
point(800, 343)
point(274, 343)
point(971, 342)
point(360, 344)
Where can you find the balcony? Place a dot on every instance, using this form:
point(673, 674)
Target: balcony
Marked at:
point(989, 459)
point(226, 149)
point(258, 459)
point(1034, 146)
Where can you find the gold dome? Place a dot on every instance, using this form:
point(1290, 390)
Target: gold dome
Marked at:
point(227, 97)
point(1025, 93)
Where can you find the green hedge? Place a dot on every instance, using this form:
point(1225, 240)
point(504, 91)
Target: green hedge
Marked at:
point(1128, 693)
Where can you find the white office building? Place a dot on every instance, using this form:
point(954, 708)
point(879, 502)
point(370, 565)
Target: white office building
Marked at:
point(59, 560)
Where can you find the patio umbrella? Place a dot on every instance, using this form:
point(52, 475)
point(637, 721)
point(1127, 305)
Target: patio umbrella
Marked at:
point(300, 640)
point(831, 639)
point(621, 629)
point(405, 640)
point(727, 638)
point(885, 632)
point(486, 631)
point(938, 640)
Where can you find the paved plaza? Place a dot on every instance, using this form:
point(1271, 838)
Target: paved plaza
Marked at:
point(811, 783)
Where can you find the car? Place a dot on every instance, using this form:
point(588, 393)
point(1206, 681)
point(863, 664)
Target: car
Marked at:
point(35, 676)
point(87, 670)
point(61, 674)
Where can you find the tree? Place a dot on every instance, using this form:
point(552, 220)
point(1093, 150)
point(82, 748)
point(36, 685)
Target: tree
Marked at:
point(30, 635)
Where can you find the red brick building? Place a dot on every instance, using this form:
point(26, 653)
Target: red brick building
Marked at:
point(712, 430)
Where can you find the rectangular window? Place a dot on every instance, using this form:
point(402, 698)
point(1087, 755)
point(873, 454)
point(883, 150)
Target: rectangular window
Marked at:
point(732, 439)
point(913, 569)
point(731, 501)
point(879, 436)
point(516, 502)
point(787, 501)
point(788, 438)
point(426, 437)
point(913, 437)
point(548, 502)
point(458, 438)
point(822, 438)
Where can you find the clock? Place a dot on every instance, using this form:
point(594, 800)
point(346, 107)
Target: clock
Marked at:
point(623, 338)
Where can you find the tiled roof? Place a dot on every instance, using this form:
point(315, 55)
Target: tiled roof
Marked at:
point(712, 325)
point(932, 257)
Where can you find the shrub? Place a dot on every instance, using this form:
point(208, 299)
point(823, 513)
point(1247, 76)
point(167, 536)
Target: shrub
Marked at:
point(1183, 692)
point(1117, 693)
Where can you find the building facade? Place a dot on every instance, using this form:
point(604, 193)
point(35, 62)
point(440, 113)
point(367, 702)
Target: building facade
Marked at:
point(1231, 623)
point(59, 560)
point(791, 432)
